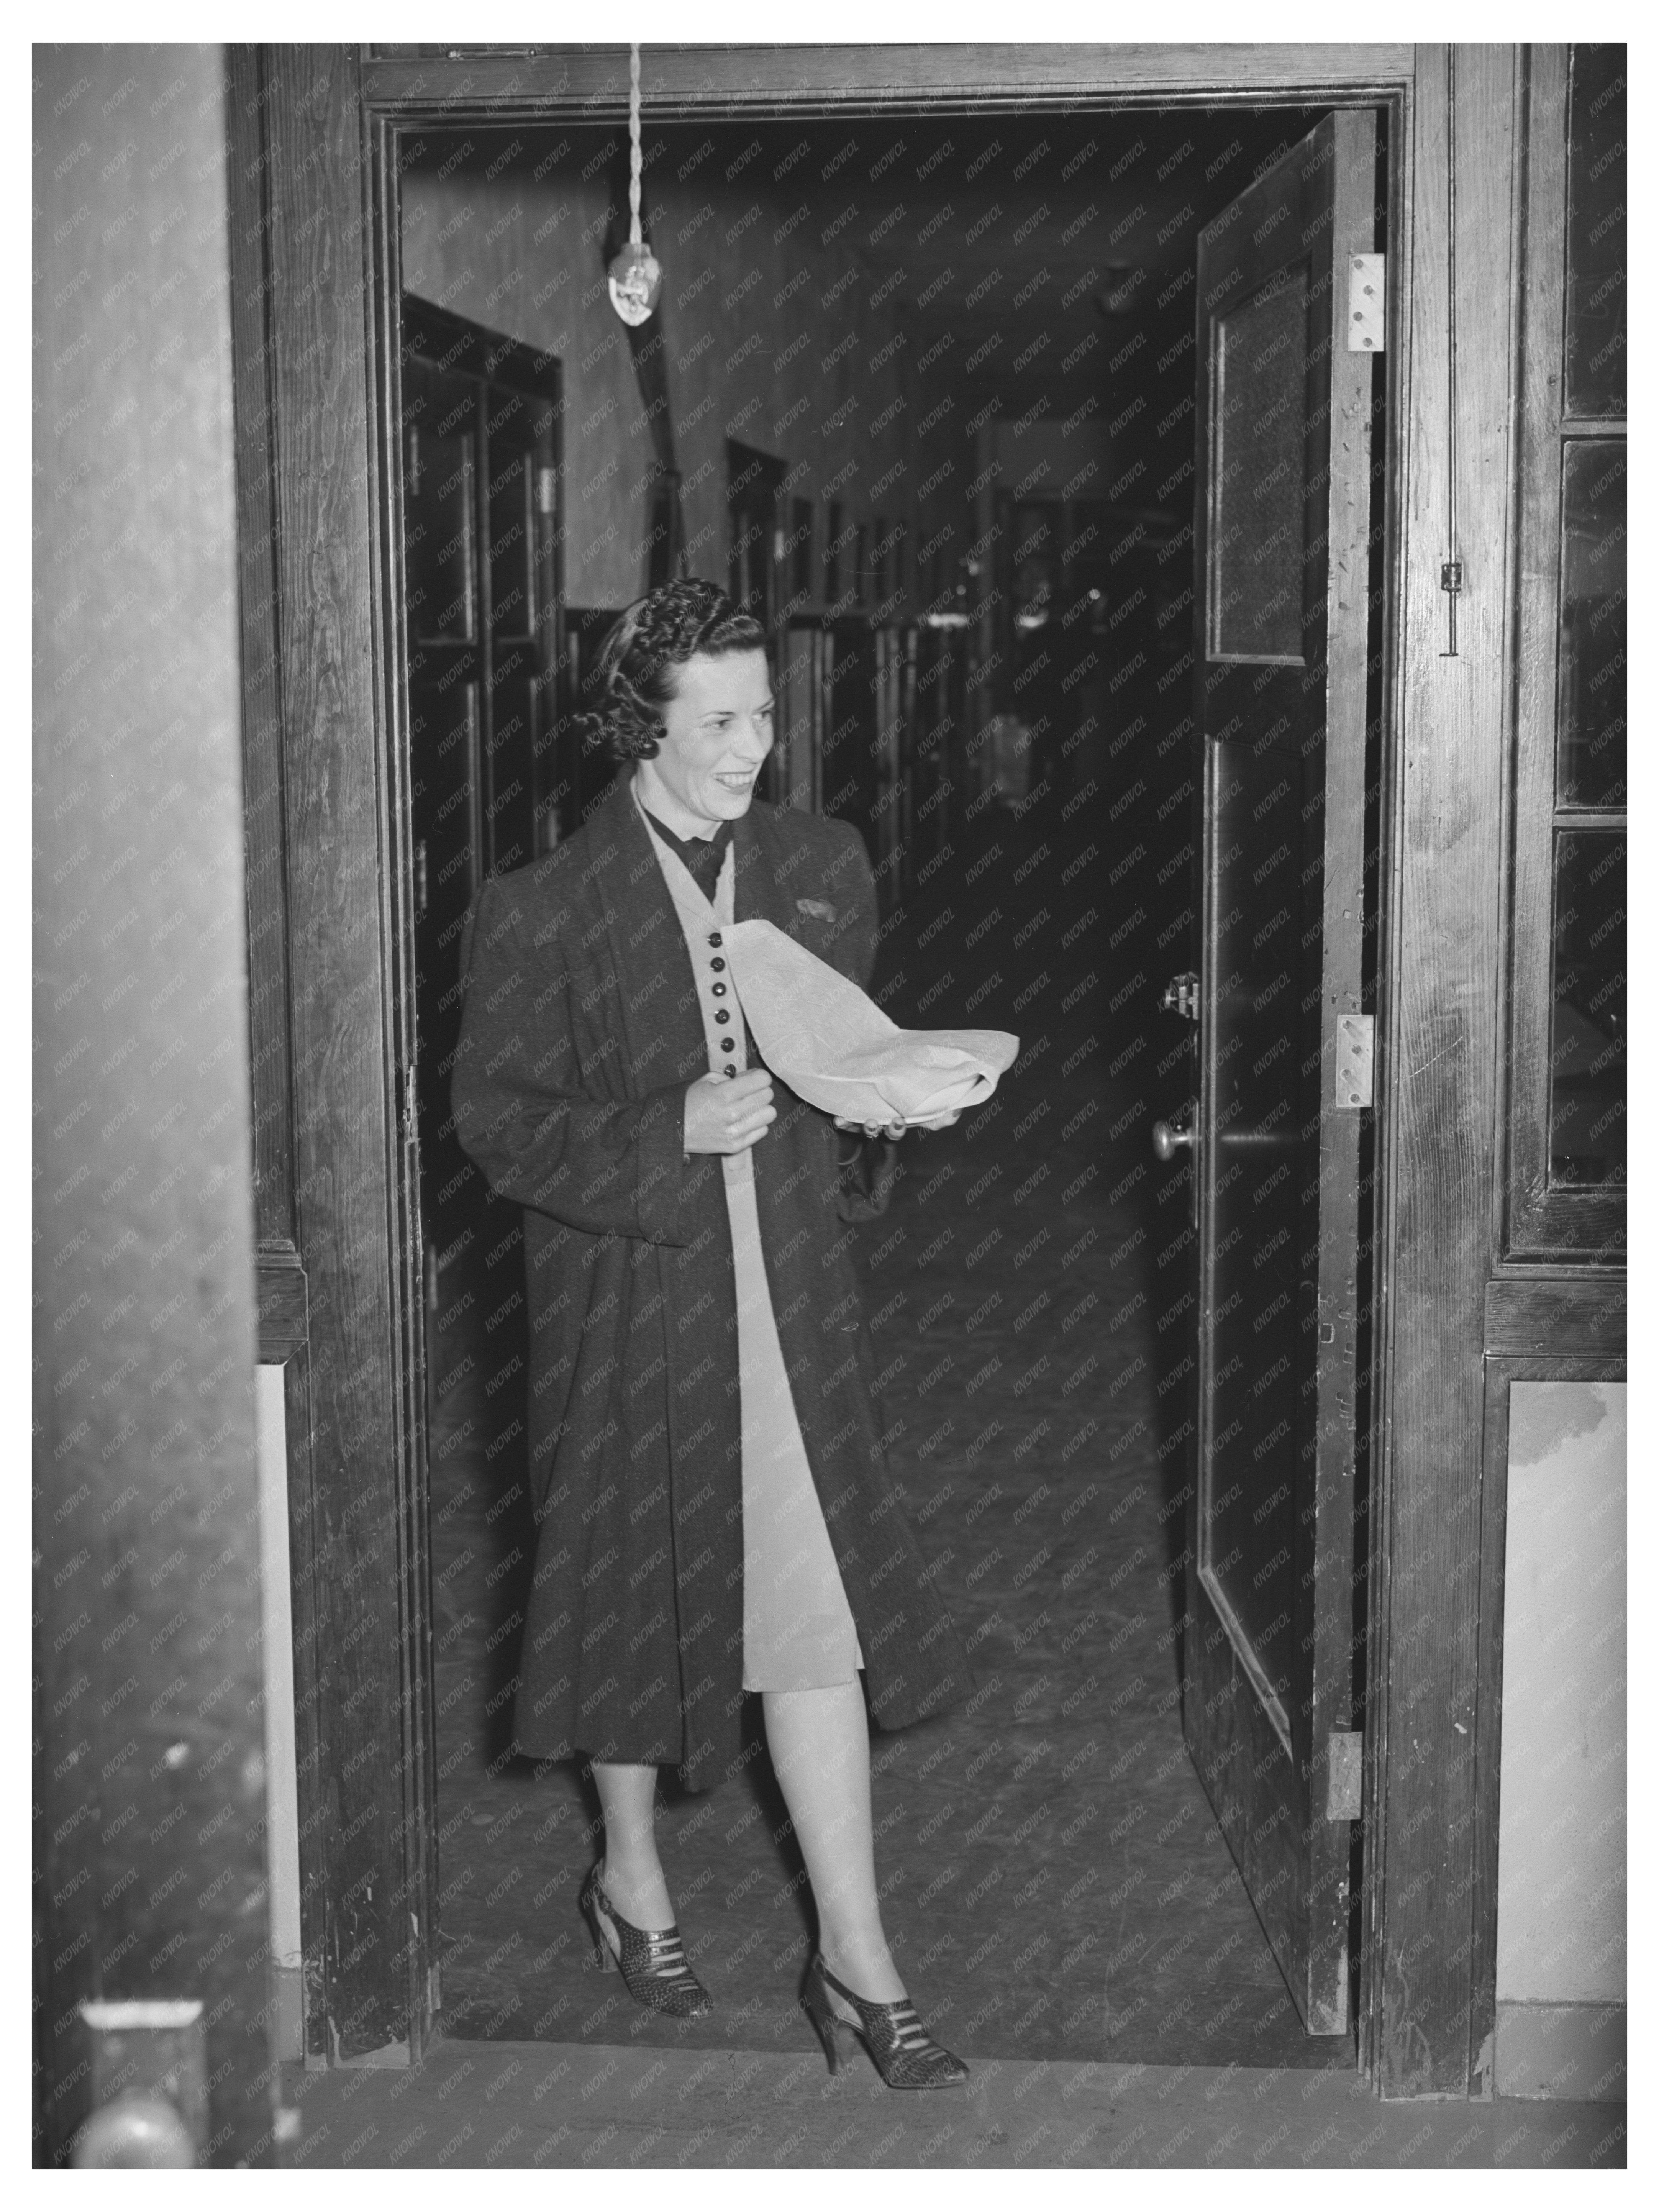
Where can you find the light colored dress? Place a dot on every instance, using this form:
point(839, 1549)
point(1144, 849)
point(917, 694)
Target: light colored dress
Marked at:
point(798, 1628)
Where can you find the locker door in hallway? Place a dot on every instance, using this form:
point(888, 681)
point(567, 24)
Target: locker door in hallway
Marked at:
point(479, 452)
point(1282, 527)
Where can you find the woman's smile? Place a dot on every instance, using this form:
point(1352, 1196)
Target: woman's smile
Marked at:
point(717, 733)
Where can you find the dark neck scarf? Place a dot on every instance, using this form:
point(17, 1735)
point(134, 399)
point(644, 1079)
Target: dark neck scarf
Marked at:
point(702, 855)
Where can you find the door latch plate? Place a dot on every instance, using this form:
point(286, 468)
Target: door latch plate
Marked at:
point(1353, 1060)
point(1365, 293)
point(1343, 1775)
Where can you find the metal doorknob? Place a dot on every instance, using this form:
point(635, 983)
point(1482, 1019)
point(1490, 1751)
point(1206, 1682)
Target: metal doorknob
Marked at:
point(1168, 1138)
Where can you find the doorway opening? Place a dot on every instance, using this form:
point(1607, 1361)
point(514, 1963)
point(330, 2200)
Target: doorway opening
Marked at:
point(975, 546)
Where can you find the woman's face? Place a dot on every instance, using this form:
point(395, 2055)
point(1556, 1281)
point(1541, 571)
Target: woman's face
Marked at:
point(718, 732)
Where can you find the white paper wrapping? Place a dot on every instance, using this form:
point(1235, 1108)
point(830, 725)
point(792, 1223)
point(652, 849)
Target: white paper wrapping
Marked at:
point(834, 1048)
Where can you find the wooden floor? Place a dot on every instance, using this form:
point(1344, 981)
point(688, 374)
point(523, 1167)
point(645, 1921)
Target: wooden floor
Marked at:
point(628, 2109)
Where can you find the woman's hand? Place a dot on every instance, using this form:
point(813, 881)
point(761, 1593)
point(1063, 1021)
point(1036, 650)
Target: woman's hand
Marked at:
point(729, 1113)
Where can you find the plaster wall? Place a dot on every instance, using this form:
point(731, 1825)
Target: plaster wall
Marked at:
point(149, 1779)
point(1561, 1874)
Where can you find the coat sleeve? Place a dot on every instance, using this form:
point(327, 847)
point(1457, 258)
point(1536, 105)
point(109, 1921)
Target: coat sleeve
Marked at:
point(869, 1164)
point(605, 1165)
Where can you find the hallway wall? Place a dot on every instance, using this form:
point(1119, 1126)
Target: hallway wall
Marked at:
point(149, 1794)
point(1562, 1890)
point(776, 333)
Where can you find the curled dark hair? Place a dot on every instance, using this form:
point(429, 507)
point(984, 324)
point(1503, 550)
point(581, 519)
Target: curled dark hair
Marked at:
point(658, 633)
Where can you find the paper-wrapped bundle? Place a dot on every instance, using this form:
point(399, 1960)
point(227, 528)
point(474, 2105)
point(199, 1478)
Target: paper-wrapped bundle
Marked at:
point(834, 1048)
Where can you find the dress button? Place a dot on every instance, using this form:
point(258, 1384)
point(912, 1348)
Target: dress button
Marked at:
point(714, 937)
point(721, 1016)
point(720, 990)
point(717, 964)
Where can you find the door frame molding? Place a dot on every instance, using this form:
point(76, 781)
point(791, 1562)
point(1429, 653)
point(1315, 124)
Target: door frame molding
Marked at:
point(312, 148)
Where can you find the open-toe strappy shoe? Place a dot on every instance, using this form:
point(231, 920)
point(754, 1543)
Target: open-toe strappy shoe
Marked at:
point(651, 1960)
point(902, 2052)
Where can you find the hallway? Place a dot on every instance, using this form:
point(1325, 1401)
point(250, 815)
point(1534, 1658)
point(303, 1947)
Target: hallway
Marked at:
point(1057, 1888)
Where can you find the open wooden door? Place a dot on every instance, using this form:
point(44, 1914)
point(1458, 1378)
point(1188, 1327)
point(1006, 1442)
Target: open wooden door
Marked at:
point(1282, 1047)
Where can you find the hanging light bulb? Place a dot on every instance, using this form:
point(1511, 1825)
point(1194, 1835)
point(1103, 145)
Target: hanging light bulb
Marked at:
point(636, 275)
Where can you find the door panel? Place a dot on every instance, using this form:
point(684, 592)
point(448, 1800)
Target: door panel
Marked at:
point(509, 809)
point(1258, 481)
point(480, 514)
point(443, 731)
point(1283, 523)
point(852, 743)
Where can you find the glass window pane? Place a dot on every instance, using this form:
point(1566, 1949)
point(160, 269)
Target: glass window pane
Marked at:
point(801, 550)
point(1260, 491)
point(512, 542)
point(1036, 559)
point(1591, 692)
point(1587, 1015)
point(440, 525)
point(1595, 231)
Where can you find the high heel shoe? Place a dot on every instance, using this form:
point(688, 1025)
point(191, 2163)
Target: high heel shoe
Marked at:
point(902, 2052)
point(651, 1961)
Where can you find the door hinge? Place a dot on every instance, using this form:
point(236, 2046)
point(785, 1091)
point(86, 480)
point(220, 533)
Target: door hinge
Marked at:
point(409, 1106)
point(1343, 1775)
point(1353, 1060)
point(547, 489)
point(1365, 296)
point(1181, 996)
point(419, 879)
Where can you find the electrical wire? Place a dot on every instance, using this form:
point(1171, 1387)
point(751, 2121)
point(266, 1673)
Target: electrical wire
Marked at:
point(633, 237)
point(1452, 572)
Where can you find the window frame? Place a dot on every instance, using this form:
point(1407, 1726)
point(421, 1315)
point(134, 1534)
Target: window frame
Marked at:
point(1542, 1222)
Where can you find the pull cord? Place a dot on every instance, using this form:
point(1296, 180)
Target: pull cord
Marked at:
point(1451, 569)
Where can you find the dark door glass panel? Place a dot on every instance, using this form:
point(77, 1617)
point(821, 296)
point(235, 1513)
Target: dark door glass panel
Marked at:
point(443, 722)
point(1592, 694)
point(512, 543)
point(800, 552)
point(585, 765)
point(1588, 1074)
point(509, 808)
point(443, 753)
point(1264, 1244)
point(1036, 562)
point(1259, 475)
point(440, 559)
point(1596, 318)
point(852, 774)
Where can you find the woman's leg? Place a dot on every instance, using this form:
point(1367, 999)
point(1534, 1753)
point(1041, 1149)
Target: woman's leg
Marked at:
point(633, 1872)
point(819, 1741)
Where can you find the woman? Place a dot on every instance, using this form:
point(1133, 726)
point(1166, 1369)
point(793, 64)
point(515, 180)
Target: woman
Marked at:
point(716, 1515)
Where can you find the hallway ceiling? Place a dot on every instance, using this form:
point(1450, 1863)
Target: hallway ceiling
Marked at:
point(1012, 231)
point(1038, 244)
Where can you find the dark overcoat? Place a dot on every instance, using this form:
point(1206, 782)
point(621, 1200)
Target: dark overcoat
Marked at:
point(579, 1034)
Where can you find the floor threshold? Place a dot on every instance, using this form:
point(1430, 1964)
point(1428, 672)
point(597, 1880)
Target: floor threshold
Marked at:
point(611, 2107)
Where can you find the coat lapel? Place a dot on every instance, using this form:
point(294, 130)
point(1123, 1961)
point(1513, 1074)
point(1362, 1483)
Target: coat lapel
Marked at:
point(661, 1025)
point(758, 894)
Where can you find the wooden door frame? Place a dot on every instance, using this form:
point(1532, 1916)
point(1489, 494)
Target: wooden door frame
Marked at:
point(312, 153)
